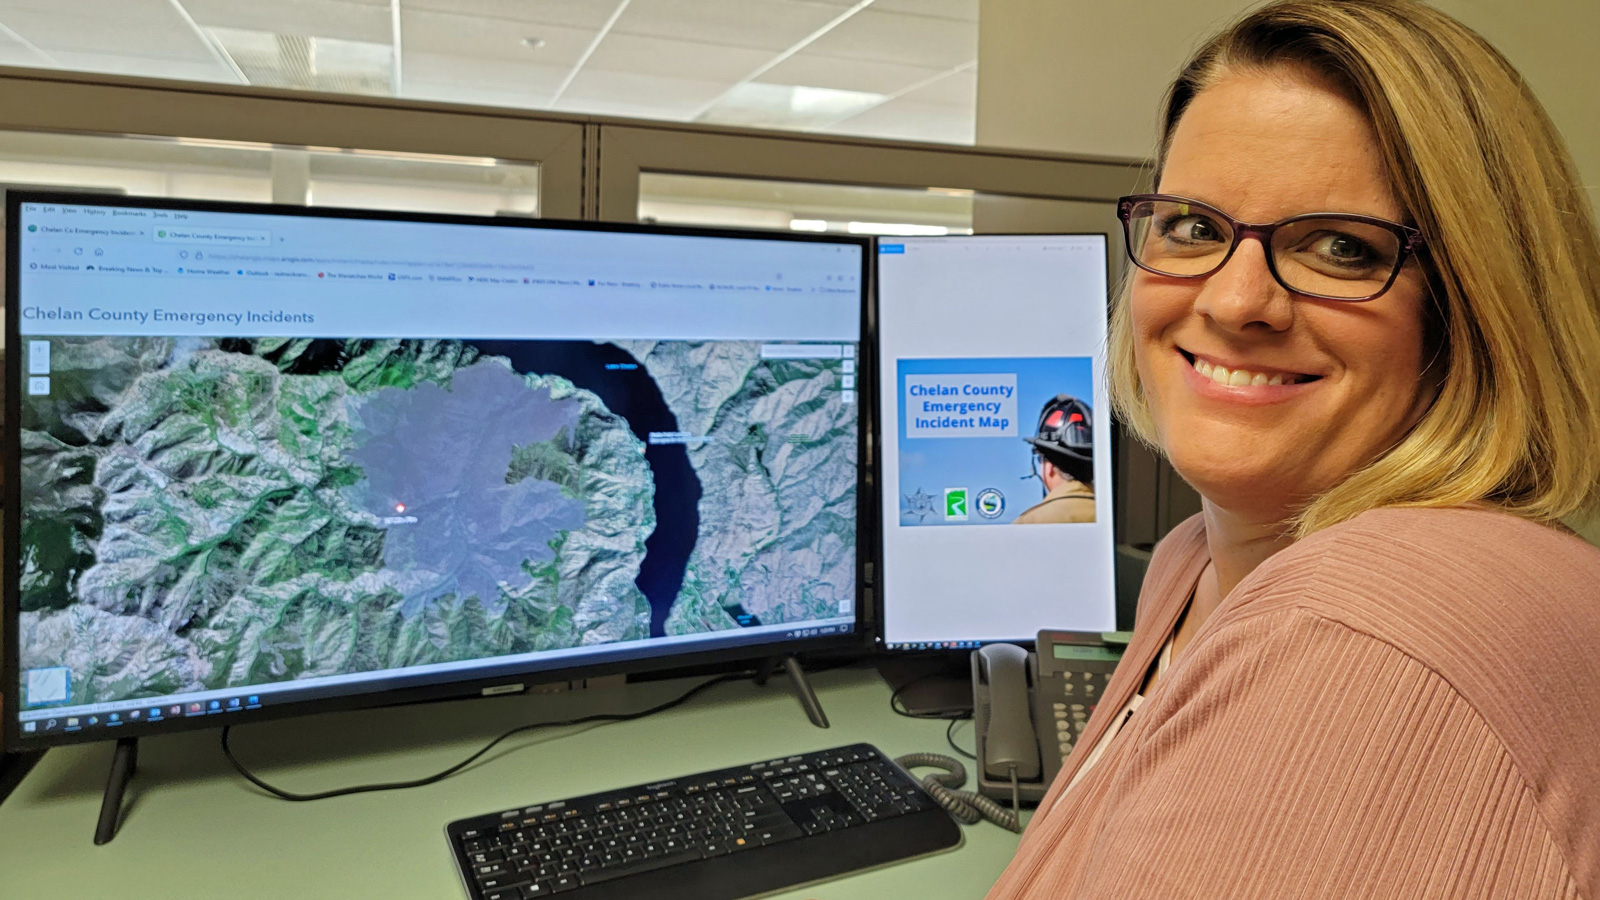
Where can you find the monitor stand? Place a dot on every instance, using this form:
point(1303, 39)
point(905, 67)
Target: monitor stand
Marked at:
point(934, 685)
point(123, 766)
point(802, 687)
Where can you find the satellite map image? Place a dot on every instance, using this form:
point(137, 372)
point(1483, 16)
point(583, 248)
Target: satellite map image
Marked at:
point(200, 514)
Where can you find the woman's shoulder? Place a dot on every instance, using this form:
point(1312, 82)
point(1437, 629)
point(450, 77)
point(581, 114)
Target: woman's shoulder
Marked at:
point(1487, 567)
point(1505, 610)
point(1442, 582)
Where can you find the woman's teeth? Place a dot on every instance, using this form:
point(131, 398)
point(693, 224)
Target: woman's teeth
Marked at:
point(1240, 377)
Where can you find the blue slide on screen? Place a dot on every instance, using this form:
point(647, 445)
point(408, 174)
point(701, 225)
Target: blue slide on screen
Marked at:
point(963, 457)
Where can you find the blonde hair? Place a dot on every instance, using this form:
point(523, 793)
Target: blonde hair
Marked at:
point(1512, 257)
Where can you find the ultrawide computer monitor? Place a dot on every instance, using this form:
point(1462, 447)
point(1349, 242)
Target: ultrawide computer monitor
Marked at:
point(268, 460)
point(996, 439)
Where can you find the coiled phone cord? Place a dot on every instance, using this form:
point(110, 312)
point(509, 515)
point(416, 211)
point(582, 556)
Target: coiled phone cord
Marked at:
point(966, 806)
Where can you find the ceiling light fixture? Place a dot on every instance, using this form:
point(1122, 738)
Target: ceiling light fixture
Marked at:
point(533, 43)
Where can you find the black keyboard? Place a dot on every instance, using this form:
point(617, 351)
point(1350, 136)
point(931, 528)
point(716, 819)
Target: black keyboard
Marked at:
point(713, 836)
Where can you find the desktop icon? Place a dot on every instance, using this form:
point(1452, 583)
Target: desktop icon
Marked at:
point(175, 711)
point(72, 722)
point(114, 718)
point(196, 709)
point(214, 705)
point(234, 703)
point(155, 712)
point(94, 720)
point(30, 727)
point(255, 700)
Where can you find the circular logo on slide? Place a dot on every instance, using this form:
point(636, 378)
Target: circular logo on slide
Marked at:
point(991, 503)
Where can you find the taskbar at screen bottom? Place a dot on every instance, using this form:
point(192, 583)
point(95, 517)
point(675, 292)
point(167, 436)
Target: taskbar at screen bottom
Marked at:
point(934, 645)
point(105, 721)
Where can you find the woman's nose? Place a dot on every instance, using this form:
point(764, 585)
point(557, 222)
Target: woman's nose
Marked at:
point(1243, 295)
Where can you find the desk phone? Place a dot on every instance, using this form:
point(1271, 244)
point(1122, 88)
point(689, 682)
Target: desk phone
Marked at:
point(1030, 708)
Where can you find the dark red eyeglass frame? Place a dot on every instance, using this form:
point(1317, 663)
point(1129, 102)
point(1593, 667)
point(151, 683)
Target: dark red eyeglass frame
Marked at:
point(1410, 240)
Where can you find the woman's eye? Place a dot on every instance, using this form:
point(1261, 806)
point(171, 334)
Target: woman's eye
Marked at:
point(1340, 249)
point(1345, 247)
point(1191, 229)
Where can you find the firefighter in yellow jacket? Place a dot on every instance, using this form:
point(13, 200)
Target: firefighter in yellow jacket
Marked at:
point(1063, 452)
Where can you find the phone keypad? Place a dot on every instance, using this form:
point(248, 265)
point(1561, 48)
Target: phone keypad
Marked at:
point(1080, 691)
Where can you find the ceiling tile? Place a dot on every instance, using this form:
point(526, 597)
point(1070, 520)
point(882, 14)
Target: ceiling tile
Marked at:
point(590, 14)
point(758, 105)
point(757, 24)
point(681, 59)
point(964, 10)
point(471, 36)
point(651, 96)
point(344, 19)
point(900, 38)
point(815, 70)
point(904, 120)
point(146, 28)
point(960, 89)
point(14, 52)
point(478, 80)
point(146, 66)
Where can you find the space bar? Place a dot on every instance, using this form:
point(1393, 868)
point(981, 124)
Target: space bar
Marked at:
point(643, 865)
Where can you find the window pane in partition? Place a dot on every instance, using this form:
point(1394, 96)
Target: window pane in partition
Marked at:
point(708, 200)
point(153, 167)
point(201, 169)
point(404, 181)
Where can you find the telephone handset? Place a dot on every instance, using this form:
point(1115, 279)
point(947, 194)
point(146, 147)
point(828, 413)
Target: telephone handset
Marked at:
point(1030, 708)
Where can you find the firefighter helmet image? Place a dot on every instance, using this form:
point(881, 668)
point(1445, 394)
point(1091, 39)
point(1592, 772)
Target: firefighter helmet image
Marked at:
point(1063, 455)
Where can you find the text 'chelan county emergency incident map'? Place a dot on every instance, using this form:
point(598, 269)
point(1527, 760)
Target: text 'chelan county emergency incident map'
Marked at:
point(201, 514)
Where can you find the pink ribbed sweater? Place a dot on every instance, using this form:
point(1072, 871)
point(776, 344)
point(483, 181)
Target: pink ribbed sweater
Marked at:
point(1406, 705)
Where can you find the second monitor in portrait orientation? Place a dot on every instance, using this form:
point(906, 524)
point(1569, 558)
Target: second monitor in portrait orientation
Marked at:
point(996, 439)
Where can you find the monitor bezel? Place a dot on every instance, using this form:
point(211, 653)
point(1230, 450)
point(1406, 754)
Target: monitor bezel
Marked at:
point(880, 407)
point(860, 640)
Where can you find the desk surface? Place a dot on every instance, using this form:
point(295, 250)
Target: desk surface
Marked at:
point(193, 828)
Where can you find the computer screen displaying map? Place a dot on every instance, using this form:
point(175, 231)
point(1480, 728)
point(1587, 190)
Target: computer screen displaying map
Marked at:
point(266, 458)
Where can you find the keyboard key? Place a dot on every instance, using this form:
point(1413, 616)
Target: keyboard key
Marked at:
point(639, 867)
point(779, 833)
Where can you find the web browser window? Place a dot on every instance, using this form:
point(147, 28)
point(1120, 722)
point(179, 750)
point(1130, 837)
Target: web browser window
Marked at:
point(267, 458)
point(996, 439)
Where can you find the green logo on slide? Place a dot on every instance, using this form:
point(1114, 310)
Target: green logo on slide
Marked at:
point(955, 504)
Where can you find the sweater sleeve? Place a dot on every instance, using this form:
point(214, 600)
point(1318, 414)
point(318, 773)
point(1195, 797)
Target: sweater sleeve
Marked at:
point(1300, 758)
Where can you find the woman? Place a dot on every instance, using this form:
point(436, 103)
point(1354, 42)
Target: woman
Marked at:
point(1370, 668)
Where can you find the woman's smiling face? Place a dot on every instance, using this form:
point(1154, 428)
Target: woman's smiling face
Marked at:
point(1261, 398)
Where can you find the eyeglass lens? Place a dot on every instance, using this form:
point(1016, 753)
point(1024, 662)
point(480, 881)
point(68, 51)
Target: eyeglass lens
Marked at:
point(1326, 257)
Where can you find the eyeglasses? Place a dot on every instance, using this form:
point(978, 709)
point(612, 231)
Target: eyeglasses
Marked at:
point(1329, 256)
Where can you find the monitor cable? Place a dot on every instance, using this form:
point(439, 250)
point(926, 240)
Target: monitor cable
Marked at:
point(965, 806)
point(603, 718)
